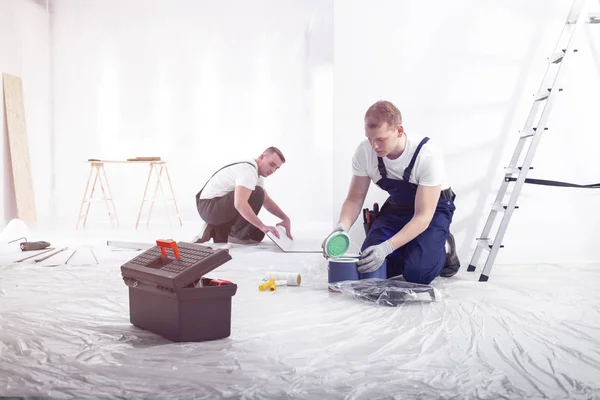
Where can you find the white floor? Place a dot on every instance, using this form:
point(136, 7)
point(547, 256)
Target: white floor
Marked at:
point(532, 331)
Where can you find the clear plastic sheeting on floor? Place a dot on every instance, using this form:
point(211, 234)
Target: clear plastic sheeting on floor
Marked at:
point(386, 292)
point(530, 332)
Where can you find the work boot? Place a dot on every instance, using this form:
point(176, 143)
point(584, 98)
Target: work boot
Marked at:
point(236, 240)
point(209, 233)
point(452, 264)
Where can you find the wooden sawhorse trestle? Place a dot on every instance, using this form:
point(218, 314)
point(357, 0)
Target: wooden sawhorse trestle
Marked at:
point(97, 176)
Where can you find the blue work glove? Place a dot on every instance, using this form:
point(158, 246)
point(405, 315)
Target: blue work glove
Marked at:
point(373, 256)
point(339, 228)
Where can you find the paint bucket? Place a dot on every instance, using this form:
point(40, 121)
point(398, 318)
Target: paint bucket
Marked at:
point(342, 269)
point(337, 244)
point(345, 269)
point(380, 273)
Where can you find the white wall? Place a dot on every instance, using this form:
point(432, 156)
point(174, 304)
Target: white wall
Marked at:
point(25, 52)
point(202, 83)
point(463, 73)
point(199, 83)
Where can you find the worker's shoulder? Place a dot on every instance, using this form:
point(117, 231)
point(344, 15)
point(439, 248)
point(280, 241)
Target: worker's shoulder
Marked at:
point(431, 148)
point(245, 165)
point(238, 168)
point(364, 147)
point(364, 153)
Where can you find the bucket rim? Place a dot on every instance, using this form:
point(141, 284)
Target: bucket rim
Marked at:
point(343, 260)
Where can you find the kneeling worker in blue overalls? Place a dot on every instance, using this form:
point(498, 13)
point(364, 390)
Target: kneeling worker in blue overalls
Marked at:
point(411, 235)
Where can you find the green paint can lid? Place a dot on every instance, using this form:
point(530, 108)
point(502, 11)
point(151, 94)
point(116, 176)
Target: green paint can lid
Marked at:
point(338, 244)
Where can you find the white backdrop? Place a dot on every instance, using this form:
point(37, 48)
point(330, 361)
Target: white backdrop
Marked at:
point(201, 84)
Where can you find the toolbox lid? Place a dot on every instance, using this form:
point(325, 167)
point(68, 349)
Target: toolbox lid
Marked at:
point(161, 265)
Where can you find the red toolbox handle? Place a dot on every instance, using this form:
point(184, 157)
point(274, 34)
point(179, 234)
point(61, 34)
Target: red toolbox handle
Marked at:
point(168, 243)
point(219, 282)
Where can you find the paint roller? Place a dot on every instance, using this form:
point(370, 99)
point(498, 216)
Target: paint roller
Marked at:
point(291, 278)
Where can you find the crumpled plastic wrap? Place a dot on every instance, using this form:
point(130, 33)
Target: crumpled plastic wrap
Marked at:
point(386, 292)
point(529, 333)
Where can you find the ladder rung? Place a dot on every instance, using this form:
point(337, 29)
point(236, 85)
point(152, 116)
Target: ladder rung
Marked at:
point(514, 170)
point(557, 57)
point(542, 95)
point(572, 19)
point(530, 132)
point(486, 243)
point(500, 207)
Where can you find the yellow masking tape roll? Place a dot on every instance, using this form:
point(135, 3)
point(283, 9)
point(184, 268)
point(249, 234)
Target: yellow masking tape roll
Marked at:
point(292, 278)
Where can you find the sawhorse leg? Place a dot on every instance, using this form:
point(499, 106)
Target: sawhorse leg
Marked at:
point(97, 170)
point(173, 194)
point(157, 168)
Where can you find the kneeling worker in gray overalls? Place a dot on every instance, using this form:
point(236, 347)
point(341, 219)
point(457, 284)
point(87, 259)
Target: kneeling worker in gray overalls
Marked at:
point(231, 199)
point(411, 235)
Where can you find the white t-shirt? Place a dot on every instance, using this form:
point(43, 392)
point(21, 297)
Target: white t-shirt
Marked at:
point(428, 169)
point(227, 179)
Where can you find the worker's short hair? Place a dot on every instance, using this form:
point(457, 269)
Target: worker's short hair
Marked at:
point(383, 112)
point(275, 150)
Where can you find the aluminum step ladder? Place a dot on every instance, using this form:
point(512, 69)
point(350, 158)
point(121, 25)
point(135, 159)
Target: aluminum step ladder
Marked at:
point(530, 136)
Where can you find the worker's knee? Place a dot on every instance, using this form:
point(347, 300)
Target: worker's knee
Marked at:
point(416, 275)
point(423, 270)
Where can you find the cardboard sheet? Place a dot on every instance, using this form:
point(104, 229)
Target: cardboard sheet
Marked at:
point(298, 245)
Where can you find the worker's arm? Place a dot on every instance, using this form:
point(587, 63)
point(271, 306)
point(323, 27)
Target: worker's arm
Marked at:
point(240, 202)
point(359, 186)
point(274, 209)
point(425, 204)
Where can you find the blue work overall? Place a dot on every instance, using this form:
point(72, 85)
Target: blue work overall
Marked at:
point(421, 260)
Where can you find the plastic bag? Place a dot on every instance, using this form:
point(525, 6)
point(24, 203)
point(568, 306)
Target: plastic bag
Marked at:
point(386, 292)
